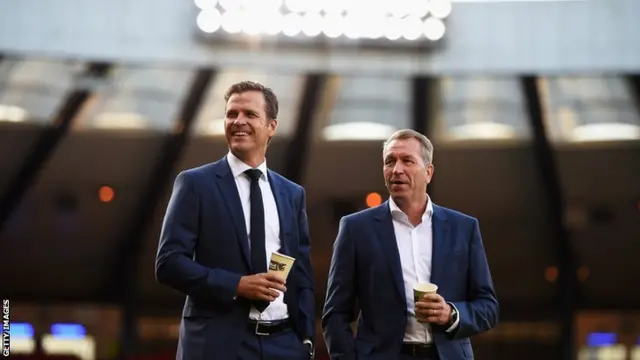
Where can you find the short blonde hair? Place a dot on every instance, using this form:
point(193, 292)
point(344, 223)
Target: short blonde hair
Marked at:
point(425, 144)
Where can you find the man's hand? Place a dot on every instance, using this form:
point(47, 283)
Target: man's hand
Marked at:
point(433, 309)
point(260, 287)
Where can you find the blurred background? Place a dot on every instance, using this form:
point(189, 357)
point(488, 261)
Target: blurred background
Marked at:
point(533, 107)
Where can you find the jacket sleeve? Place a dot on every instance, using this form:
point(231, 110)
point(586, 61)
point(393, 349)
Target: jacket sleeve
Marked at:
point(480, 312)
point(174, 265)
point(304, 273)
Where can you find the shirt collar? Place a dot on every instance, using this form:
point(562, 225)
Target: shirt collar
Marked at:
point(395, 210)
point(238, 167)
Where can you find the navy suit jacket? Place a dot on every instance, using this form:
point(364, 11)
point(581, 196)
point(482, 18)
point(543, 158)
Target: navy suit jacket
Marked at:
point(365, 269)
point(204, 250)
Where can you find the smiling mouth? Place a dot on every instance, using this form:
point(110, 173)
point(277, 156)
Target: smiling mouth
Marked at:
point(240, 134)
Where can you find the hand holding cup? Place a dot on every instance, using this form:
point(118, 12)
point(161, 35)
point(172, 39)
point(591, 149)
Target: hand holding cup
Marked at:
point(429, 306)
point(261, 287)
point(265, 286)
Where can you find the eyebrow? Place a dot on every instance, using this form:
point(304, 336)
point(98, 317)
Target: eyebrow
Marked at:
point(400, 156)
point(235, 111)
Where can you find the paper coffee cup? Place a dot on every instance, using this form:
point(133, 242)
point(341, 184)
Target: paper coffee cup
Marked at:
point(421, 289)
point(281, 265)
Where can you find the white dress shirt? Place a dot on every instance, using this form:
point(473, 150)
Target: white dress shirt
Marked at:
point(415, 246)
point(277, 310)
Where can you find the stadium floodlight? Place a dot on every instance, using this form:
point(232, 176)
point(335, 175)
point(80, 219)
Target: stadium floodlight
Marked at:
point(329, 22)
point(434, 29)
point(206, 4)
point(209, 20)
point(441, 8)
point(333, 7)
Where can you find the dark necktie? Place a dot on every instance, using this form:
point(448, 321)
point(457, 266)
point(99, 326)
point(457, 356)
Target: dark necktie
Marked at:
point(258, 239)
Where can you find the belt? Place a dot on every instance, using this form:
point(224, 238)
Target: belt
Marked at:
point(265, 328)
point(418, 350)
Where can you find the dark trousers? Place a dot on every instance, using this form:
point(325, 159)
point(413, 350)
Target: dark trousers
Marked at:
point(284, 345)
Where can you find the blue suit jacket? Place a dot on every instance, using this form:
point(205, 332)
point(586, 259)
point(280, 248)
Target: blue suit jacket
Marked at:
point(204, 250)
point(366, 269)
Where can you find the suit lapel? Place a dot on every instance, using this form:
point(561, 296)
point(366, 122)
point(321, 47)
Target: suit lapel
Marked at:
point(387, 240)
point(284, 212)
point(229, 190)
point(440, 225)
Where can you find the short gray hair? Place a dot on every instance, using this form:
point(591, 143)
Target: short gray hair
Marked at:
point(405, 134)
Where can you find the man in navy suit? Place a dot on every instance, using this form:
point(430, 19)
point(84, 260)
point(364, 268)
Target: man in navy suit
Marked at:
point(382, 252)
point(222, 223)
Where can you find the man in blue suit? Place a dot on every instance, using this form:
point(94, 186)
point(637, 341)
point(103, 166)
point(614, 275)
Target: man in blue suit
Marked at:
point(223, 222)
point(382, 252)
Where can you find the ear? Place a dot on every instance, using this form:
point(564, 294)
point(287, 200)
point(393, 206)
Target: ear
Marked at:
point(430, 170)
point(272, 125)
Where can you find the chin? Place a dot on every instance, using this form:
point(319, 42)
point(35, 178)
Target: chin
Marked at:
point(398, 195)
point(240, 146)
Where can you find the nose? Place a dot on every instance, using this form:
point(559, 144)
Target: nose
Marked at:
point(398, 168)
point(240, 119)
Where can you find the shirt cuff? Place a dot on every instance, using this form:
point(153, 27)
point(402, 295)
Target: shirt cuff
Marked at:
point(455, 323)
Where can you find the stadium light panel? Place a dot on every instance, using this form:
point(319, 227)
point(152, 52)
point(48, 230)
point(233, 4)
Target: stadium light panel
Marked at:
point(68, 331)
point(12, 113)
point(206, 4)
point(441, 8)
point(21, 330)
point(334, 21)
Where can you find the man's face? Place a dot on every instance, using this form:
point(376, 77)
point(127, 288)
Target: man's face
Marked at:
point(247, 127)
point(405, 173)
